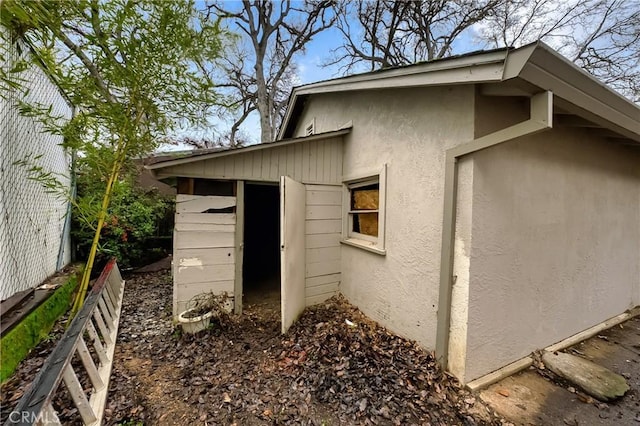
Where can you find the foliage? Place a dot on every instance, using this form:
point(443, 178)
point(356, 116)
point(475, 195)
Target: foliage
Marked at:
point(135, 71)
point(16, 344)
point(261, 71)
point(601, 36)
point(386, 33)
point(132, 218)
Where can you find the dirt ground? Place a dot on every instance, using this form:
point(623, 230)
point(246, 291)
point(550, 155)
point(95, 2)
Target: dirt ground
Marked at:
point(333, 367)
point(244, 372)
point(536, 397)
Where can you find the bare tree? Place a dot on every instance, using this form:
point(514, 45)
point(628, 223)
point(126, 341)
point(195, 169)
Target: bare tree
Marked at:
point(386, 33)
point(601, 36)
point(262, 73)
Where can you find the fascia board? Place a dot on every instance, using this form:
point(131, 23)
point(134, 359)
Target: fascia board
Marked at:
point(539, 65)
point(497, 57)
point(604, 107)
point(251, 148)
point(482, 73)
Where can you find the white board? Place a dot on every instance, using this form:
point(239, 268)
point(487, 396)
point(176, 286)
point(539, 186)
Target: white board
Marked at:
point(204, 248)
point(292, 256)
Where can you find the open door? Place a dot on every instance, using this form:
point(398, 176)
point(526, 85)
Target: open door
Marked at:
point(292, 249)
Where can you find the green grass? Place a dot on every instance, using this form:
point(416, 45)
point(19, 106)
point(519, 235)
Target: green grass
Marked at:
point(35, 327)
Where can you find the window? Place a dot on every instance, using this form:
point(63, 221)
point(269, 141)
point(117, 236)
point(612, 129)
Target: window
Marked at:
point(363, 224)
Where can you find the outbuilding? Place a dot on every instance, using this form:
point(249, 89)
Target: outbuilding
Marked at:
point(484, 205)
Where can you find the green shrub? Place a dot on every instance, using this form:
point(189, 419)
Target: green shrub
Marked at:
point(133, 219)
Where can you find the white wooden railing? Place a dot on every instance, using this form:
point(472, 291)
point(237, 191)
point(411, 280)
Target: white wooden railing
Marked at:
point(98, 320)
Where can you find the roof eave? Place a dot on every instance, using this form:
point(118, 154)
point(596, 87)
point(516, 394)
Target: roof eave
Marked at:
point(548, 70)
point(260, 146)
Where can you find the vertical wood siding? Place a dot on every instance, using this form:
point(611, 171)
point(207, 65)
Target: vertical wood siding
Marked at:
point(316, 161)
point(322, 241)
point(203, 248)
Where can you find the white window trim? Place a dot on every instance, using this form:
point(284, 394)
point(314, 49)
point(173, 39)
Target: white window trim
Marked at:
point(355, 239)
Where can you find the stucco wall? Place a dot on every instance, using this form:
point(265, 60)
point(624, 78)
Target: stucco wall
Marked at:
point(461, 262)
point(555, 242)
point(409, 130)
point(32, 230)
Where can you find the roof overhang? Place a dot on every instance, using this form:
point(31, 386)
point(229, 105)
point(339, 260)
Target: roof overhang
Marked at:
point(524, 71)
point(196, 156)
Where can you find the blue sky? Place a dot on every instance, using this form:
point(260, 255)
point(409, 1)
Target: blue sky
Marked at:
point(310, 67)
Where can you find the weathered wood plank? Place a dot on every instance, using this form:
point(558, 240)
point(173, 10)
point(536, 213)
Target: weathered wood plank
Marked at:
point(239, 250)
point(305, 163)
point(192, 239)
point(204, 227)
point(213, 273)
point(324, 212)
point(206, 218)
point(198, 204)
point(89, 365)
point(282, 161)
point(328, 150)
point(240, 166)
point(321, 226)
point(322, 268)
point(324, 198)
point(266, 164)
point(313, 161)
point(297, 159)
point(256, 170)
point(97, 344)
point(322, 240)
point(322, 254)
point(273, 165)
point(314, 300)
point(203, 257)
point(291, 169)
point(322, 187)
point(320, 161)
point(329, 288)
point(228, 166)
point(77, 394)
point(322, 279)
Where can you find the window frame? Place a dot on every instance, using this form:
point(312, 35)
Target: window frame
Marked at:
point(356, 239)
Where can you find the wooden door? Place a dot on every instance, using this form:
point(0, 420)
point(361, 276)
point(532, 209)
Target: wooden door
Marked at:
point(203, 248)
point(292, 250)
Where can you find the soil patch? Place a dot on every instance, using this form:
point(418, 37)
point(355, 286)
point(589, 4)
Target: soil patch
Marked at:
point(244, 372)
point(333, 367)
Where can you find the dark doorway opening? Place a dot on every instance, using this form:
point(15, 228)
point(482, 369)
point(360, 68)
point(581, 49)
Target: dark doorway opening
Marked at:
point(261, 261)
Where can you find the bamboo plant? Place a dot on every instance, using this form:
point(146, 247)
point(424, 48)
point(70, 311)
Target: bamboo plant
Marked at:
point(135, 71)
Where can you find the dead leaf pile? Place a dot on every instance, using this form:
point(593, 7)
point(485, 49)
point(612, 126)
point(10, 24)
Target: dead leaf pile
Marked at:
point(334, 366)
point(369, 375)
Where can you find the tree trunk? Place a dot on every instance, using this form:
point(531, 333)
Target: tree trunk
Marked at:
point(262, 103)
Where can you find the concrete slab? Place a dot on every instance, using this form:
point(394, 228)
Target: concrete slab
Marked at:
point(531, 398)
point(596, 380)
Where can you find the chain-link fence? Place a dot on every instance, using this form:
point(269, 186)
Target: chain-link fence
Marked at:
point(33, 234)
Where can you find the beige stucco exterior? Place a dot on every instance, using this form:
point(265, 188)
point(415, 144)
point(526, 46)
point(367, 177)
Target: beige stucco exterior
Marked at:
point(510, 201)
point(409, 130)
point(555, 243)
point(535, 260)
